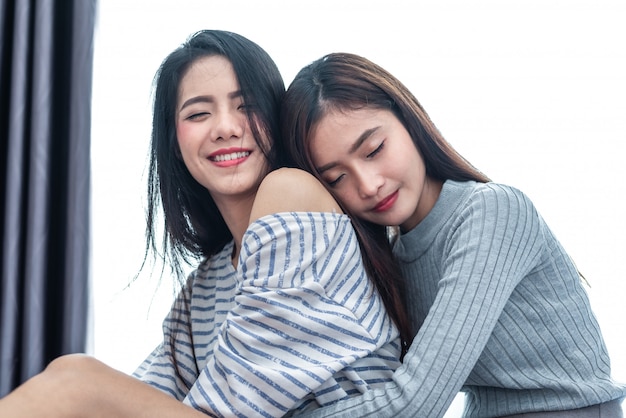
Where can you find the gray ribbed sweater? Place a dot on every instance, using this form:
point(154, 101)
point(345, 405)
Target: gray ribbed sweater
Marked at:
point(501, 313)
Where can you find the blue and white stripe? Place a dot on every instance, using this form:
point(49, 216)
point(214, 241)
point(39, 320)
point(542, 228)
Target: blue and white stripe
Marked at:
point(298, 325)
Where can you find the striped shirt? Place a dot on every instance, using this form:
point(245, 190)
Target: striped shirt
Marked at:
point(296, 326)
point(501, 312)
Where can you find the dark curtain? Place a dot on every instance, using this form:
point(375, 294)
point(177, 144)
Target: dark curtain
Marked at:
point(46, 59)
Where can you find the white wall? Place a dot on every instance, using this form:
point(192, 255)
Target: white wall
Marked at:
point(533, 92)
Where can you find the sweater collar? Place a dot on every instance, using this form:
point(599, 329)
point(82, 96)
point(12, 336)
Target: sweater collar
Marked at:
point(414, 243)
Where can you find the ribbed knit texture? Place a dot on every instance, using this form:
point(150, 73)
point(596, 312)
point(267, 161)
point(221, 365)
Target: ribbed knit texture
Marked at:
point(298, 325)
point(501, 313)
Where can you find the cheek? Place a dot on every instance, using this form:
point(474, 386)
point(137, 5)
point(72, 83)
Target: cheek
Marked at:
point(347, 197)
point(185, 138)
point(404, 161)
point(183, 132)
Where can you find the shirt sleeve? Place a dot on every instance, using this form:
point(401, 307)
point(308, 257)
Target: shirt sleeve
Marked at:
point(295, 322)
point(495, 242)
point(168, 366)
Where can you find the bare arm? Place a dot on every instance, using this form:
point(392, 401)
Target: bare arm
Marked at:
point(80, 386)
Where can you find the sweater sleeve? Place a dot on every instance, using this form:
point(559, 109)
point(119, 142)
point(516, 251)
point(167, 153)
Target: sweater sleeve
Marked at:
point(494, 242)
point(296, 319)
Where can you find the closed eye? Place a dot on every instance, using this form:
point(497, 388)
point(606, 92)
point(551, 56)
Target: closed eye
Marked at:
point(333, 183)
point(377, 150)
point(198, 115)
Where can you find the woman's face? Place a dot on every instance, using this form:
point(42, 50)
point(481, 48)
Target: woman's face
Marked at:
point(213, 132)
point(369, 162)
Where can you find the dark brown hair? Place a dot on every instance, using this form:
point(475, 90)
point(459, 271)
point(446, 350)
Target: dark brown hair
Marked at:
point(344, 82)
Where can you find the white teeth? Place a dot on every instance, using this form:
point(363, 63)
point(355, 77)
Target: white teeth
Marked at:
point(231, 156)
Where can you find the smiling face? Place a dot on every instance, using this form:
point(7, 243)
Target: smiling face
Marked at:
point(214, 134)
point(369, 162)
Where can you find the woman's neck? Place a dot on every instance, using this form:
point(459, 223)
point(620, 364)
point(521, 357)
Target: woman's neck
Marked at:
point(426, 201)
point(236, 214)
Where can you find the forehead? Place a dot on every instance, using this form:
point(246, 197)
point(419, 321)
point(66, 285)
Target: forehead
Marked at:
point(340, 131)
point(347, 124)
point(213, 72)
point(333, 118)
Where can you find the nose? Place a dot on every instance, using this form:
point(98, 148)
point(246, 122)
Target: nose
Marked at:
point(368, 183)
point(229, 124)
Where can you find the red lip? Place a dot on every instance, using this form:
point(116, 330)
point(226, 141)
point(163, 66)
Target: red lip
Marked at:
point(228, 157)
point(225, 151)
point(386, 203)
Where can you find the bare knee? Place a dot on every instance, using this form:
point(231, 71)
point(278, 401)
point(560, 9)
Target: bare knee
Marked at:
point(73, 366)
point(292, 190)
point(59, 391)
point(75, 376)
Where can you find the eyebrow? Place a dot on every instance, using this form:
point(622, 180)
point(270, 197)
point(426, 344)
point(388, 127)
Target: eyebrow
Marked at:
point(355, 146)
point(208, 99)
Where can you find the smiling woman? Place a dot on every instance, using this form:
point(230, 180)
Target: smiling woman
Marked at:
point(282, 314)
point(214, 106)
point(530, 91)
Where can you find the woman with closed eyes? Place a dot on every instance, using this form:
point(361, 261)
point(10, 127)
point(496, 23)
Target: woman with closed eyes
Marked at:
point(498, 308)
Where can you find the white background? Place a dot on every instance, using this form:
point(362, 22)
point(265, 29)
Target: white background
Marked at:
point(532, 92)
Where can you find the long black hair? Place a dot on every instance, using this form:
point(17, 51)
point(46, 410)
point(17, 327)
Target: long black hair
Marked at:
point(193, 226)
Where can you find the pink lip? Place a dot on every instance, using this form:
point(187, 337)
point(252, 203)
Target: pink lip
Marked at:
point(228, 157)
point(386, 203)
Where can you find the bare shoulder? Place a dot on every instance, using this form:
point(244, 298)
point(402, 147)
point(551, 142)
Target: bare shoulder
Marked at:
point(291, 178)
point(292, 190)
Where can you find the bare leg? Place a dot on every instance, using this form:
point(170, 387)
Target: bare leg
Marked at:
point(80, 386)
